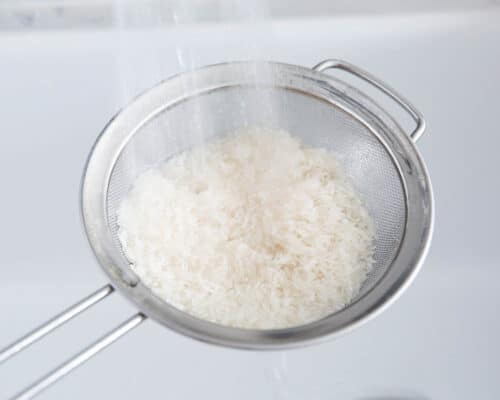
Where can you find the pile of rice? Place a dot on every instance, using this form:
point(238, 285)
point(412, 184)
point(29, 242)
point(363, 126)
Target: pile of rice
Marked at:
point(255, 230)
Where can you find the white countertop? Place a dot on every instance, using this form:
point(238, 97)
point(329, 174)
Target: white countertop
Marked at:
point(438, 341)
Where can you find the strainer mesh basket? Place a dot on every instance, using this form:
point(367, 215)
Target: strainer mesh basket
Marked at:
point(202, 118)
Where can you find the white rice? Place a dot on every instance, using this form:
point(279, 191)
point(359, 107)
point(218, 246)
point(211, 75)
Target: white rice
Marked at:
point(254, 231)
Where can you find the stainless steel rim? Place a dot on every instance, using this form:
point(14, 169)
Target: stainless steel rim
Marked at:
point(412, 170)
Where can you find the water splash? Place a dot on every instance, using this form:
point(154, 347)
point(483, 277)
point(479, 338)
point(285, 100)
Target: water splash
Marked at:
point(278, 374)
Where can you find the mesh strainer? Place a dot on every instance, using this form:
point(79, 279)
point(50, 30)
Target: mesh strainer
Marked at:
point(379, 157)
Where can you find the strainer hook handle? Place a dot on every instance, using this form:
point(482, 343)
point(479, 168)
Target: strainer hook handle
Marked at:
point(382, 86)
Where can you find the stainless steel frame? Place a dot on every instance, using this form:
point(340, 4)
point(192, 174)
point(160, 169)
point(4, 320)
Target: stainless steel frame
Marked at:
point(107, 149)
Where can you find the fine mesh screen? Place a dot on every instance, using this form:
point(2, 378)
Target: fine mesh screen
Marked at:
point(197, 120)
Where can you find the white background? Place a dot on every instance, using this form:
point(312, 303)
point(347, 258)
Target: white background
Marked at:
point(439, 341)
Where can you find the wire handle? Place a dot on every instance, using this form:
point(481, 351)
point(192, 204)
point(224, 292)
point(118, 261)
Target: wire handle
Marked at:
point(55, 322)
point(367, 77)
point(79, 358)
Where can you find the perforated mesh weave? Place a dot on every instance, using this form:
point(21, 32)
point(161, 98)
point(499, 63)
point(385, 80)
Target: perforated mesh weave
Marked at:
point(199, 119)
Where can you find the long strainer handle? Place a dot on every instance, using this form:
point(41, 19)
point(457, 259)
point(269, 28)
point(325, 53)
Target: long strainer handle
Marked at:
point(79, 358)
point(382, 86)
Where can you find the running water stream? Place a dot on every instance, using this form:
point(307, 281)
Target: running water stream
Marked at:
point(142, 27)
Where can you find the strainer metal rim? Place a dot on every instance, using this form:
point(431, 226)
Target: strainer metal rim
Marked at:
point(415, 179)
